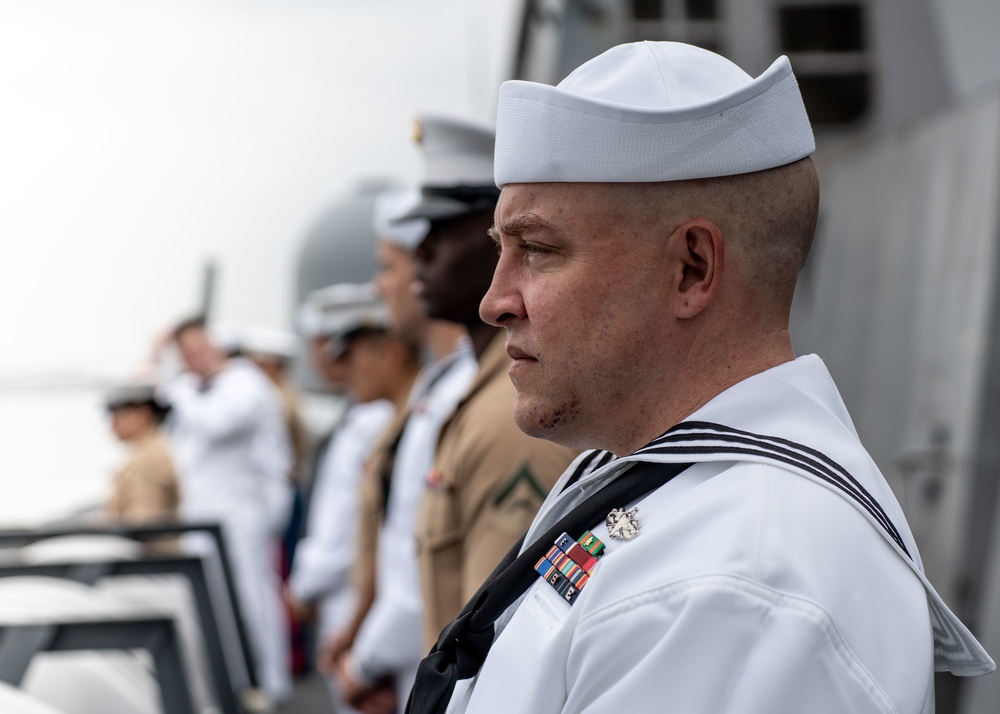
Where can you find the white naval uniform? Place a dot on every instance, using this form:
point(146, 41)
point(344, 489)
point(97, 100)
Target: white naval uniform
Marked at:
point(752, 586)
point(390, 640)
point(321, 570)
point(233, 456)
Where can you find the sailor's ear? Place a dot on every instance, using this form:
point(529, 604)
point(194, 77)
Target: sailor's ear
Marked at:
point(696, 252)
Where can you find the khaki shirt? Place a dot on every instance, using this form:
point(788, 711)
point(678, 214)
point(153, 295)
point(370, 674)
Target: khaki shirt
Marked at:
point(371, 500)
point(488, 482)
point(146, 488)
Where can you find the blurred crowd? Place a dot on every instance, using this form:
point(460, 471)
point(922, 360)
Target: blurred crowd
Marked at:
point(352, 549)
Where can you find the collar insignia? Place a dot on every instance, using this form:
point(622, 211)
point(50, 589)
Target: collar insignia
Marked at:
point(623, 524)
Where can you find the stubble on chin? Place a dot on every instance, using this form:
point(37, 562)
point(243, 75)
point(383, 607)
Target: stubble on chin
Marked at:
point(544, 421)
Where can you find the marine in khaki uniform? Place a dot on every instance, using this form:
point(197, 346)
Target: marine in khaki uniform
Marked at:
point(489, 481)
point(489, 478)
point(145, 489)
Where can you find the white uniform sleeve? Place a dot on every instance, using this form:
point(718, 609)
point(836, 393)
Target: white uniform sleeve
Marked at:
point(318, 570)
point(716, 644)
point(323, 559)
point(391, 637)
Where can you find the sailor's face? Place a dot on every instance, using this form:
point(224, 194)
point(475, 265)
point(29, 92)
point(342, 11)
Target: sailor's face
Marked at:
point(197, 352)
point(579, 296)
point(394, 283)
point(455, 264)
point(335, 372)
point(369, 368)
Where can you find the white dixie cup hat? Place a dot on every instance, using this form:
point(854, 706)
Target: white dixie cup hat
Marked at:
point(648, 112)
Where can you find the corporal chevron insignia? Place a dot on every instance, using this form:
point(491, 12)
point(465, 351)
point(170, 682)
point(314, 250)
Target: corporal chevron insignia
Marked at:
point(523, 489)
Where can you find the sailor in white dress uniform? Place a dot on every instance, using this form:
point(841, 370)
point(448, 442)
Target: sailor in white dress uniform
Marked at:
point(233, 455)
point(731, 597)
point(657, 207)
point(321, 572)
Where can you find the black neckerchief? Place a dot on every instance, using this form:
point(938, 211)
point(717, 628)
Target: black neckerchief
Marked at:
point(463, 645)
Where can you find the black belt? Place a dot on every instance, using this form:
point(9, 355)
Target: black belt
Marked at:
point(463, 645)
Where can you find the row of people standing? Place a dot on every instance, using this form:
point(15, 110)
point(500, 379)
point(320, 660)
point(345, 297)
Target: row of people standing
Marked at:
point(351, 349)
point(452, 483)
point(657, 170)
point(424, 483)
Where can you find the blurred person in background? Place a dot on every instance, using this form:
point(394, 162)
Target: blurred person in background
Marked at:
point(320, 585)
point(233, 454)
point(315, 327)
point(146, 488)
point(318, 322)
point(378, 656)
point(273, 352)
point(489, 478)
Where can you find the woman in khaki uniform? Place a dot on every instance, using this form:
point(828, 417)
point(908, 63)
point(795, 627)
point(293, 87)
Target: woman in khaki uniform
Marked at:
point(145, 489)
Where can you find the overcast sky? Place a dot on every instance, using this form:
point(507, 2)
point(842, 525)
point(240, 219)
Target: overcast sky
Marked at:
point(138, 139)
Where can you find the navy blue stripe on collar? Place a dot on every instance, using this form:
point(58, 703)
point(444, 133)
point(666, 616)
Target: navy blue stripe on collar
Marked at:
point(851, 485)
point(728, 441)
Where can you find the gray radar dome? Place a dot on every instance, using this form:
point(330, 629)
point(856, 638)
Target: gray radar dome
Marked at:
point(340, 247)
